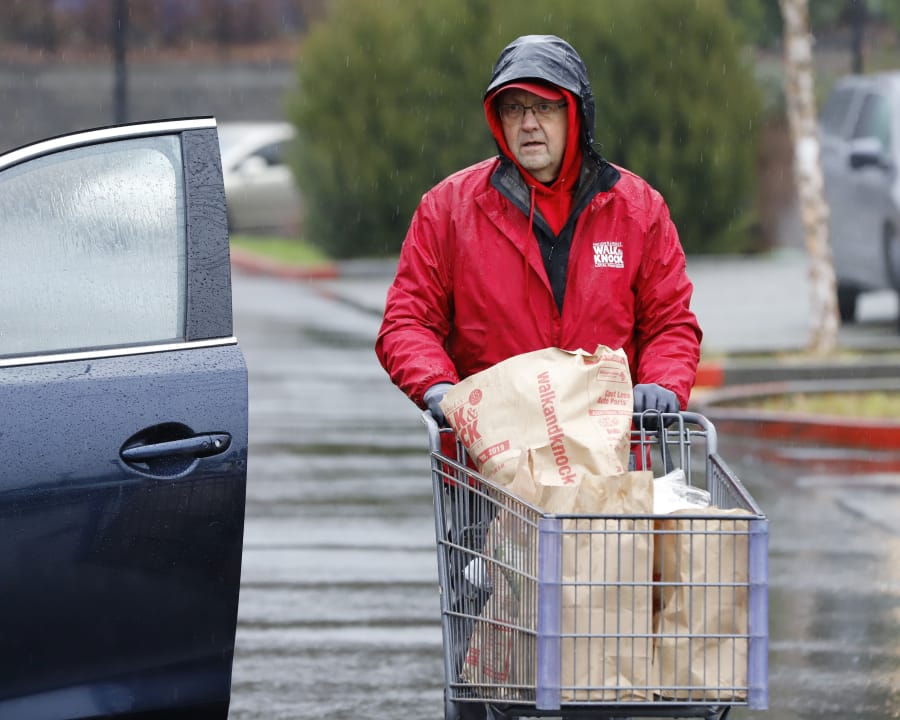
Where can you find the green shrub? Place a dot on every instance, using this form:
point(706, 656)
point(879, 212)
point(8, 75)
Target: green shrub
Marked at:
point(684, 113)
point(388, 102)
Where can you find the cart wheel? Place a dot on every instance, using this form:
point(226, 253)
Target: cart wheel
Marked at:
point(451, 708)
point(463, 710)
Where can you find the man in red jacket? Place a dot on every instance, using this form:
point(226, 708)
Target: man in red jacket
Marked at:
point(545, 245)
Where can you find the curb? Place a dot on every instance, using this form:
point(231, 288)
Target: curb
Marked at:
point(252, 264)
point(710, 375)
point(875, 434)
point(717, 374)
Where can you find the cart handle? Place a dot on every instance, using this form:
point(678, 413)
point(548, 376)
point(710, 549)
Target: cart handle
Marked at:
point(434, 432)
point(692, 418)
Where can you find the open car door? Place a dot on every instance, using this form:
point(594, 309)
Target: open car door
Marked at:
point(123, 427)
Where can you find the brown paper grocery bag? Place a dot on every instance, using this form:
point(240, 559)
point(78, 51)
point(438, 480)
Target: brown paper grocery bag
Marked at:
point(501, 658)
point(571, 409)
point(708, 559)
point(607, 565)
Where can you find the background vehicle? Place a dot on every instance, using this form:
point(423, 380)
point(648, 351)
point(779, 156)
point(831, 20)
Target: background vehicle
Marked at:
point(262, 194)
point(124, 433)
point(860, 155)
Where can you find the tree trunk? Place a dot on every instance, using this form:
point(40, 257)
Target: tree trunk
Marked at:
point(802, 116)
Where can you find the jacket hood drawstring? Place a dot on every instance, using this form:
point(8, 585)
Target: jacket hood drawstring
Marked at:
point(529, 245)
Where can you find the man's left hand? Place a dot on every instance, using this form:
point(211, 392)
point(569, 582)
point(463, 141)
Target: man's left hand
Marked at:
point(650, 396)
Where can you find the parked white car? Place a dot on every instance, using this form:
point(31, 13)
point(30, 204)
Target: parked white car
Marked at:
point(860, 135)
point(259, 185)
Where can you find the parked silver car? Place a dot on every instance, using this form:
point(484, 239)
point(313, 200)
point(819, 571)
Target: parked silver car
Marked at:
point(262, 195)
point(860, 127)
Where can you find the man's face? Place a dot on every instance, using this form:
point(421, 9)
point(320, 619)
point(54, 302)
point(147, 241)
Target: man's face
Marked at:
point(536, 139)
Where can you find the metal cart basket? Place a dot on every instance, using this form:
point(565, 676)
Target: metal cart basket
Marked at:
point(601, 616)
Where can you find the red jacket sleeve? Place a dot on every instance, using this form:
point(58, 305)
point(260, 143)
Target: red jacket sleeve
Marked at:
point(411, 342)
point(667, 332)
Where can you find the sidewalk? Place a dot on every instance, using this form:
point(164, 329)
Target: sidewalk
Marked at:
point(754, 312)
point(745, 305)
point(762, 305)
point(748, 307)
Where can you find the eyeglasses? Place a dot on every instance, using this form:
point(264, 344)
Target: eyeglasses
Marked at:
point(516, 111)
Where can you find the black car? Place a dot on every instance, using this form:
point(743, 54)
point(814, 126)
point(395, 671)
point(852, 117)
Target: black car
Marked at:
point(123, 438)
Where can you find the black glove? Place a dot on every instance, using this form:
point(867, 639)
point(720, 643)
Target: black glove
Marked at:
point(433, 397)
point(650, 396)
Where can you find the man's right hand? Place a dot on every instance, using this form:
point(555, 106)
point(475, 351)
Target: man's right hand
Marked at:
point(433, 397)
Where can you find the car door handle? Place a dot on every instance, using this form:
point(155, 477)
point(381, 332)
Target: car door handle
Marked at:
point(196, 446)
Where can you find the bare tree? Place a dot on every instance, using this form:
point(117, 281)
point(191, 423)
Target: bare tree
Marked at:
point(802, 117)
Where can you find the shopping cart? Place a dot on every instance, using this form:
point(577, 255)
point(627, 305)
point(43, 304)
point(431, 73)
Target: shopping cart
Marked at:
point(602, 616)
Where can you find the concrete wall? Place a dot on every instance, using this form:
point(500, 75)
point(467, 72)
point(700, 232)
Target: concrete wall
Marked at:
point(39, 100)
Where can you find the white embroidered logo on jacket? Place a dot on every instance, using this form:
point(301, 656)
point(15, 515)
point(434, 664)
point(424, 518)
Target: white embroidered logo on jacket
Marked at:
point(608, 254)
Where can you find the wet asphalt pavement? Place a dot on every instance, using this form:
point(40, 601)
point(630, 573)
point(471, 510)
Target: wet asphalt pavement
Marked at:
point(339, 613)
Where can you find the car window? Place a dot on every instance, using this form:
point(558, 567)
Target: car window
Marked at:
point(93, 247)
point(834, 114)
point(874, 119)
point(271, 153)
point(228, 139)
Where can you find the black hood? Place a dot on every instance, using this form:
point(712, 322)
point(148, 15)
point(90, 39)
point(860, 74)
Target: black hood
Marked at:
point(551, 59)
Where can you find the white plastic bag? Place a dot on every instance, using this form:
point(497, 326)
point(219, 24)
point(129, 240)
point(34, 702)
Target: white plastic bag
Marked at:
point(671, 493)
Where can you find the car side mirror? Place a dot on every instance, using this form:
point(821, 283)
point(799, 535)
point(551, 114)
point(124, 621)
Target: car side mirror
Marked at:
point(867, 151)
